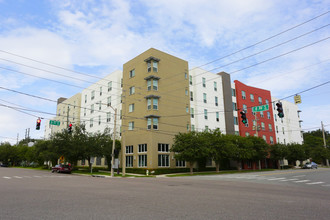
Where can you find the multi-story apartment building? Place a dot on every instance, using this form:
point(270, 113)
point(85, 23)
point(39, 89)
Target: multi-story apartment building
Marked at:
point(68, 111)
point(155, 108)
point(261, 123)
point(288, 128)
point(210, 101)
point(98, 102)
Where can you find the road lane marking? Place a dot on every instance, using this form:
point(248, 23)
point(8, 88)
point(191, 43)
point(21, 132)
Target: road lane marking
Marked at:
point(276, 179)
point(314, 183)
point(301, 181)
point(6, 177)
point(299, 176)
point(18, 177)
point(289, 180)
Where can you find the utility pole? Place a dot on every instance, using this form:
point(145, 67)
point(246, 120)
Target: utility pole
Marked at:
point(324, 142)
point(67, 118)
point(113, 145)
point(256, 120)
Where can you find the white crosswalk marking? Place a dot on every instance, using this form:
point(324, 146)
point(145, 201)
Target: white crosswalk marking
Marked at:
point(6, 177)
point(301, 181)
point(288, 180)
point(314, 183)
point(276, 179)
point(18, 177)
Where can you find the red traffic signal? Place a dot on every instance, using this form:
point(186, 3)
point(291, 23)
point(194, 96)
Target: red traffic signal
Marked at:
point(70, 128)
point(38, 124)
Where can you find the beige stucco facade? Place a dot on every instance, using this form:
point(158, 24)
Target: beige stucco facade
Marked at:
point(155, 108)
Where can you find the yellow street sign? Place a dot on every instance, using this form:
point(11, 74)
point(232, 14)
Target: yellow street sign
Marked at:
point(297, 99)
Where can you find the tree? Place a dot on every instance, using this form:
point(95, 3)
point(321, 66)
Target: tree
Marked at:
point(189, 147)
point(242, 149)
point(278, 152)
point(260, 148)
point(296, 152)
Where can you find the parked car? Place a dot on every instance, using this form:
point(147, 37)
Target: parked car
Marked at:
point(3, 165)
point(62, 168)
point(310, 165)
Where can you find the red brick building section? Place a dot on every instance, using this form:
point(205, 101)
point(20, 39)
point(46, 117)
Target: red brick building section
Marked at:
point(248, 97)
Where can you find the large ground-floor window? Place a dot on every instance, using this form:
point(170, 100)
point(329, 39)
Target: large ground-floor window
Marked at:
point(163, 160)
point(143, 160)
point(129, 161)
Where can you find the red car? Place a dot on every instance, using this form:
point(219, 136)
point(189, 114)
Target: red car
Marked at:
point(61, 168)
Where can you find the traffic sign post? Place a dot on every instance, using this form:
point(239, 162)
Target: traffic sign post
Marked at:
point(260, 108)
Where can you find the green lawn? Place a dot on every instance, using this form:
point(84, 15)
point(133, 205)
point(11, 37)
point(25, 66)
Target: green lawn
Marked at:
point(215, 173)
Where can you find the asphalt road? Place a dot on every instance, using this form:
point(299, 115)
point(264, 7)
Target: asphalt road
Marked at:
point(33, 194)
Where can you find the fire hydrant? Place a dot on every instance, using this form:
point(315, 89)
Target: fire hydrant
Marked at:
point(147, 172)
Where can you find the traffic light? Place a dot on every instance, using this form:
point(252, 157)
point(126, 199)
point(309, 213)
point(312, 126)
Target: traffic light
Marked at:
point(38, 124)
point(243, 117)
point(279, 110)
point(70, 128)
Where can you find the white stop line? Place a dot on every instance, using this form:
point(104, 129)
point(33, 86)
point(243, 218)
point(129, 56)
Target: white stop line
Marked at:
point(314, 183)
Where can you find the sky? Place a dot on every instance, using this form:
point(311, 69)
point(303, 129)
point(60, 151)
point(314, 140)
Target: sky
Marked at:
point(281, 46)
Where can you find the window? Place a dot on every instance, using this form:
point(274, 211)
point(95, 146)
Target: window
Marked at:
point(132, 90)
point(149, 84)
point(93, 95)
point(129, 161)
point(234, 106)
point(108, 117)
point(148, 103)
point(143, 160)
point(186, 75)
point(217, 116)
point(190, 80)
point(152, 123)
point(275, 117)
point(131, 125)
point(149, 66)
point(100, 105)
point(155, 103)
point(267, 102)
point(192, 127)
point(192, 112)
point(206, 128)
point(205, 113)
point(99, 119)
point(91, 122)
point(204, 97)
point(180, 163)
point(260, 100)
point(270, 127)
point(109, 86)
point(188, 126)
point(98, 161)
point(101, 91)
point(247, 134)
point(268, 115)
point(132, 73)
point(204, 82)
point(247, 123)
point(131, 107)
point(155, 66)
point(84, 111)
point(163, 147)
point(235, 121)
point(245, 108)
point(262, 126)
point(155, 123)
point(109, 101)
point(254, 123)
point(155, 84)
point(283, 130)
point(271, 140)
point(215, 86)
point(83, 162)
point(252, 97)
point(191, 96)
point(129, 149)
point(142, 148)
point(85, 98)
point(92, 108)
point(186, 91)
point(187, 109)
point(149, 123)
point(262, 114)
point(243, 95)
point(276, 129)
point(216, 101)
point(233, 92)
point(264, 137)
point(163, 160)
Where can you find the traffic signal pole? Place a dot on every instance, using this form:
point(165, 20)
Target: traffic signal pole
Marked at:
point(324, 142)
point(113, 144)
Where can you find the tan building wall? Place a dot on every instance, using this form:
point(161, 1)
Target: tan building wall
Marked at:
point(172, 94)
point(68, 111)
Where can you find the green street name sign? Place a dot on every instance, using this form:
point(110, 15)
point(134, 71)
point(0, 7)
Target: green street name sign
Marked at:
point(52, 122)
point(260, 108)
